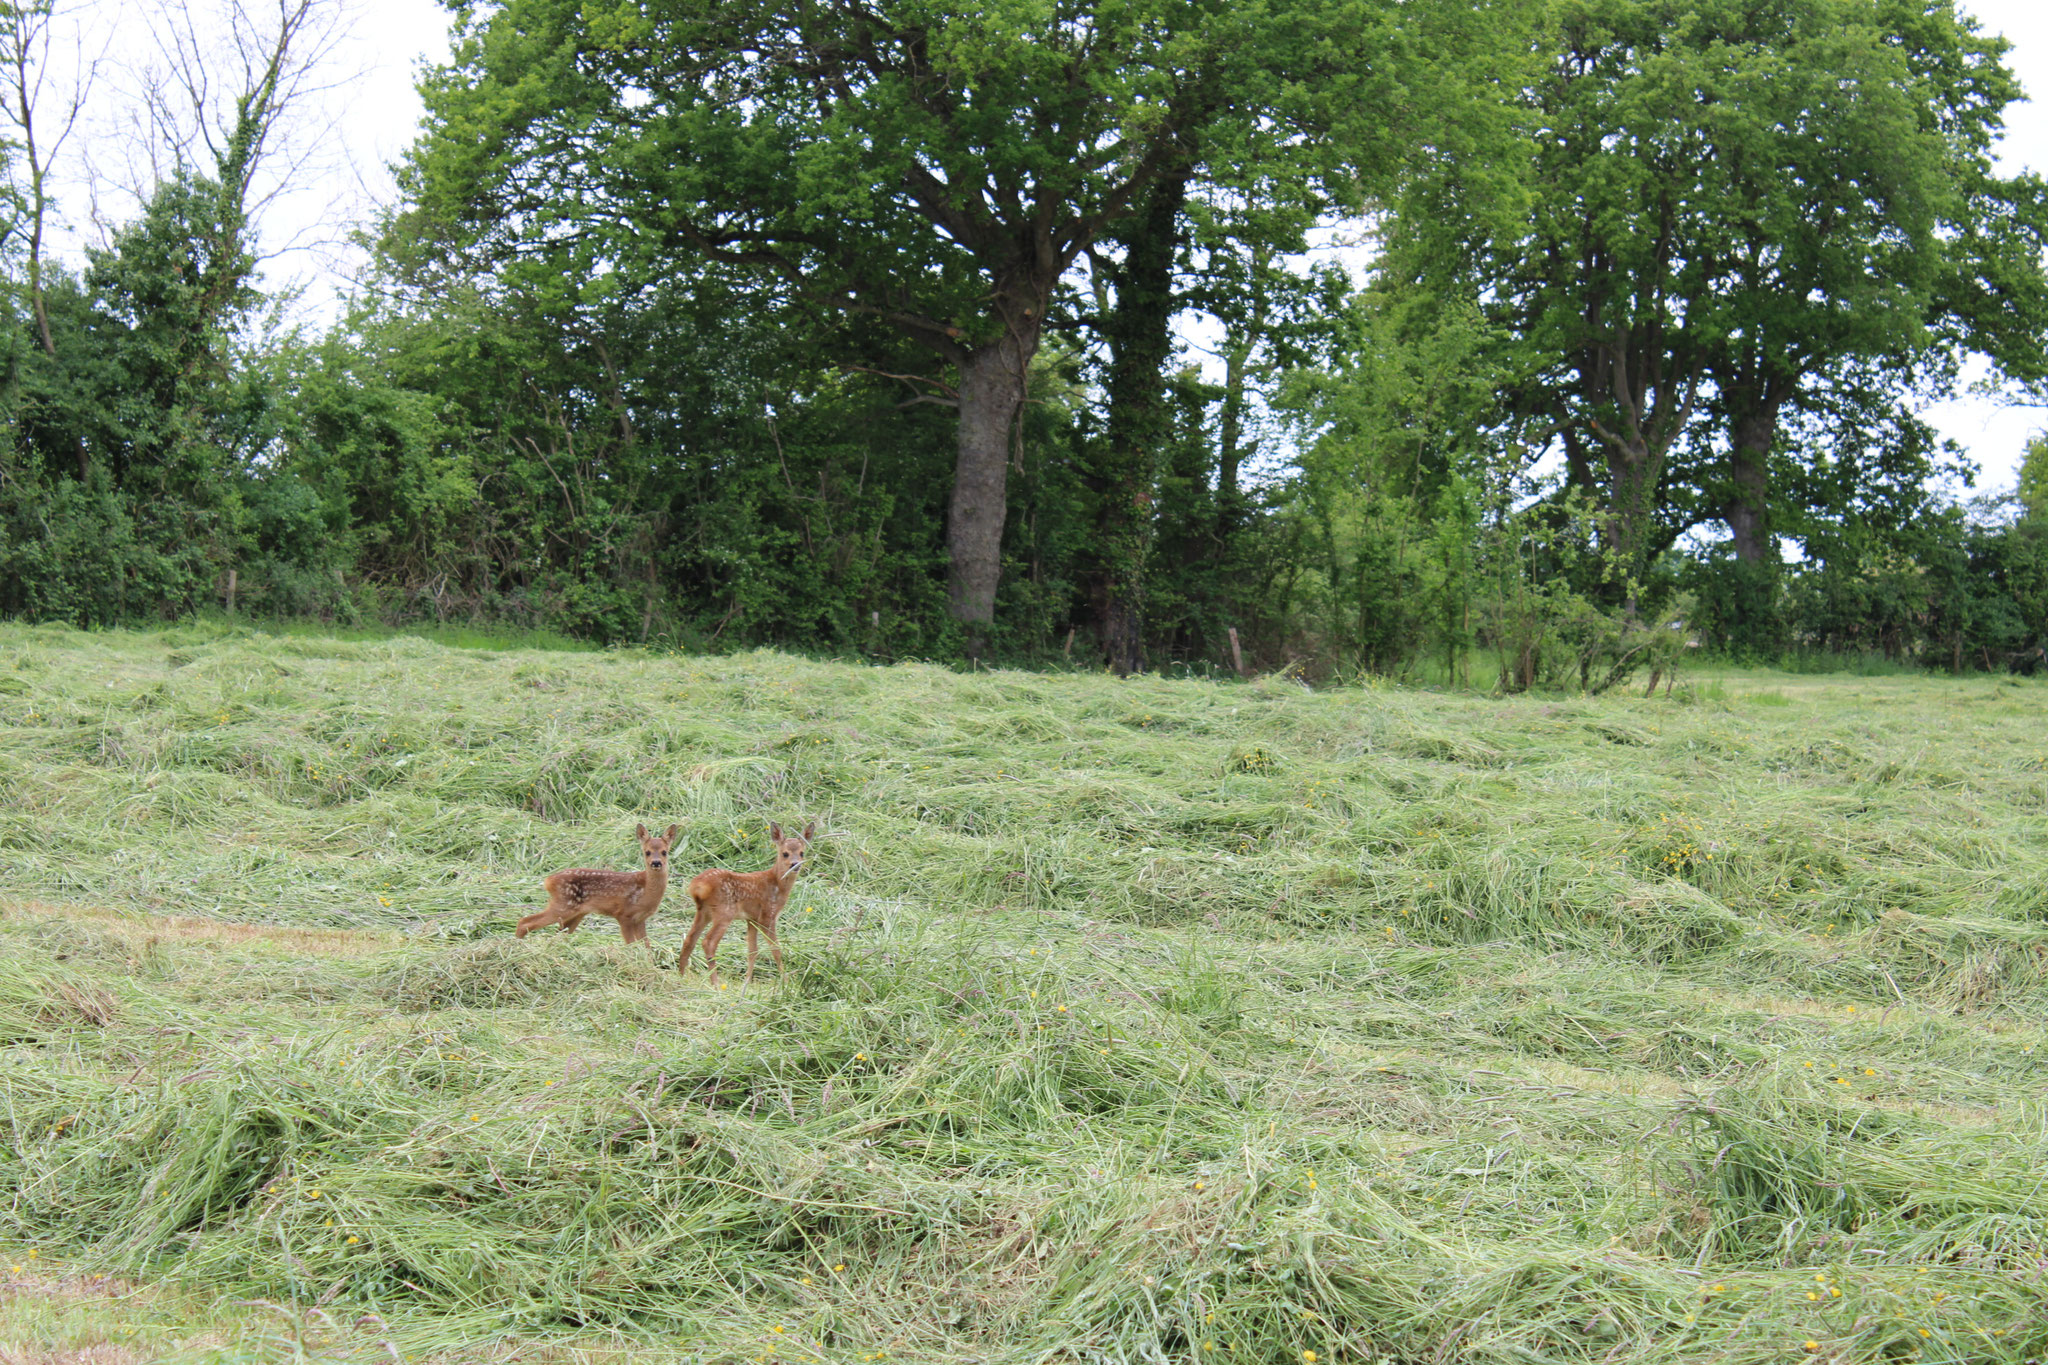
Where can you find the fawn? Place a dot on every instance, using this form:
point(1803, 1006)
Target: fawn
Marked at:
point(723, 897)
point(631, 898)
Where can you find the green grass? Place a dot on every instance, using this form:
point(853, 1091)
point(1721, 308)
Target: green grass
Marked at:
point(456, 635)
point(1123, 1021)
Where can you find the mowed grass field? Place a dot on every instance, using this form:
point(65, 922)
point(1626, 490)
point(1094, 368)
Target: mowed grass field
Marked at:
point(1135, 1021)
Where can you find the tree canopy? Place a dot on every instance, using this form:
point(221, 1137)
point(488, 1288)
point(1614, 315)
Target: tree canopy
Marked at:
point(919, 328)
point(935, 168)
point(1736, 209)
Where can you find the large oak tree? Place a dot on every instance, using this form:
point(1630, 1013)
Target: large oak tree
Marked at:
point(932, 164)
point(1737, 206)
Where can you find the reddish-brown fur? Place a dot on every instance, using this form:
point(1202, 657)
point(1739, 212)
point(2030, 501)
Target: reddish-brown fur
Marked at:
point(631, 898)
point(723, 897)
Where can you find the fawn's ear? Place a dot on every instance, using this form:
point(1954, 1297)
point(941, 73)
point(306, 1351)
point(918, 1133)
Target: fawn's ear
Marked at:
point(774, 834)
point(810, 829)
point(640, 830)
point(673, 831)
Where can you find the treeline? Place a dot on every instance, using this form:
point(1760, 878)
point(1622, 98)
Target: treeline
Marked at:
point(877, 328)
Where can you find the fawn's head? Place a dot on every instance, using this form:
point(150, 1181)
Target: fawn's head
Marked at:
point(789, 853)
point(654, 847)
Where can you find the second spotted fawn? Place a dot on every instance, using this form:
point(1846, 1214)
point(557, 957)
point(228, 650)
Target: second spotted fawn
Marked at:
point(631, 898)
point(723, 897)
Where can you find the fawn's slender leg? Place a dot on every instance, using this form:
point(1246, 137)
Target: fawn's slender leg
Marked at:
point(569, 924)
point(632, 930)
point(696, 928)
point(711, 947)
point(753, 948)
point(774, 946)
point(541, 919)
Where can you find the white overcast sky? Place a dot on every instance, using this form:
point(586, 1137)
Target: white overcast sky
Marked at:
point(373, 117)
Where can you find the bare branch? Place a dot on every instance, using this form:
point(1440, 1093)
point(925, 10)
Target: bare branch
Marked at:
point(243, 91)
point(948, 394)
point(26, 35)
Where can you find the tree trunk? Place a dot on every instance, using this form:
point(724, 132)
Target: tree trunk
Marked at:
point(1139, 424)
point(991, 393)
point(1230, 423)
point(1231, 450)
point(38, 198)
point(1752, 434)
point(1749, 589)
point(1634, 470)
point(1648, 387)
point(1122, 619)
point(1578, 462)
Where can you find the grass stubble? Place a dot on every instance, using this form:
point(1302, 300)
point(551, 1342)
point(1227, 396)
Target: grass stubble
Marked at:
point(1124, 1021)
